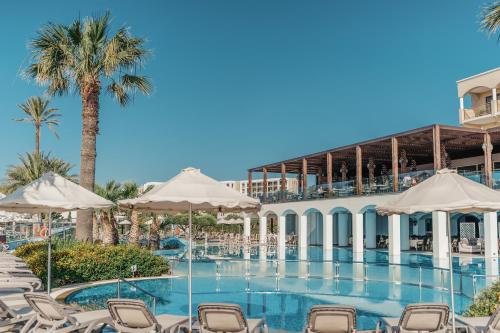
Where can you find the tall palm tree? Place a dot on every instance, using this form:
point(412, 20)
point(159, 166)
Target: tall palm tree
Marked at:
point(111, 191)
point(131, 190)
point(87, 57)
point(490, 18)
point(38, 113)
point(32, 167)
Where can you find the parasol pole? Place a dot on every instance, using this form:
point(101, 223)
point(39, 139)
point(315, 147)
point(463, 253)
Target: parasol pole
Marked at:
point(190, 273)
point(49, 253)
point(450, 257)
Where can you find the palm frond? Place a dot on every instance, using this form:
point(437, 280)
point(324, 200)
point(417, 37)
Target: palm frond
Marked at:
point(490, 18)
point(31, 167)
point(137, 82)
point(119, 92)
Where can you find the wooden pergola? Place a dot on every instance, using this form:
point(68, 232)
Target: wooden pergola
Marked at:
point(434, 145)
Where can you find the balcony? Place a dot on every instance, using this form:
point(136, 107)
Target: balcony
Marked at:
point(375, 186)
point(378, 186)
point(480, 114)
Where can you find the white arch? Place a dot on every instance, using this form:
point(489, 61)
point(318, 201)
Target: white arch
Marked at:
point(339, 210)
point(366, 208)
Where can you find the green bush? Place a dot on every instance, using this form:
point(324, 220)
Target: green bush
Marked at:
point(75, 262)
point(486, 302)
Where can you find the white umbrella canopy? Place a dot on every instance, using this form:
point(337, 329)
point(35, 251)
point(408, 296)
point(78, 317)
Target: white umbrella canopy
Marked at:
point(54, 193)
point(191, 188)
point(446, 191)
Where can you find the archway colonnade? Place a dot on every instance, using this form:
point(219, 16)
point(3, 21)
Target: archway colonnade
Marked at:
point(354, 222)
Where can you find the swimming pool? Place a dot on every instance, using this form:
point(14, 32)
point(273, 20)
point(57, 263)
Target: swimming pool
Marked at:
point(283, 291)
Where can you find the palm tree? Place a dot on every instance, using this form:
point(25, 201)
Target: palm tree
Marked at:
point(490, 18)
point(86, 57)
point(111, 191)
point(32, 167)
point(131, 190)
point(154, 234)
point(38, 113)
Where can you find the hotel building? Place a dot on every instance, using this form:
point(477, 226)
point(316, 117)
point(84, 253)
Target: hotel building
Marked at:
point(273, 185)
point(339, 188)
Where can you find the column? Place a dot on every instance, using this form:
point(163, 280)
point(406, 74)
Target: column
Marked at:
point(264, 182)
point(436, 140)
point(405, 232)
point(302, 234)
point(327, 233)
point(246, 229)
point(494, 101)
point(359, 171)
point(283, 180)
point(395, 164)
point(394, 238)
point(371, 229)
point(281, 237)
point(249, 186)
point(342, 229)
point(357, 236)
point(263, 230)
point(490, 246)
point(439, 237)
point(488, 163)
point(304, 177)
point(461, 115)
point(329, 171)
point(490, 235)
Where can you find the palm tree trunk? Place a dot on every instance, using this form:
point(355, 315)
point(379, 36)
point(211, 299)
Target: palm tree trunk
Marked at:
point(135, 231)
point(89, 92)
point(95, 228)
point(154, 235)
point(37, 139)
point(109, 234)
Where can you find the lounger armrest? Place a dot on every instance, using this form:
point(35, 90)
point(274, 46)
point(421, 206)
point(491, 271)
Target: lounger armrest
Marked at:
point(257, 325)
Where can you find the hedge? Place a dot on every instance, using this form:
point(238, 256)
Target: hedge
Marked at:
point(486, 302)
point(76, 262)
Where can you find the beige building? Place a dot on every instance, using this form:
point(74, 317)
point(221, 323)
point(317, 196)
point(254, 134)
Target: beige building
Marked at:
point(273, 185)
point(478, 97)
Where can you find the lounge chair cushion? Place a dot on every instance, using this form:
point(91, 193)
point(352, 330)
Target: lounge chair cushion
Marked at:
point(221, 317)
point(131, 313)
point(424, 317)
point(332, 319)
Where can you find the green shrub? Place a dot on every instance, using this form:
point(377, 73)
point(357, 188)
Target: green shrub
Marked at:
point(486, 302)
point(84, 262)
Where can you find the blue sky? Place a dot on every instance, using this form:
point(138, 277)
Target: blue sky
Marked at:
point(243, 83)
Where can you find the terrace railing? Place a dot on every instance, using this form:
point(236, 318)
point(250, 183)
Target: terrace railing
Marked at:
point(375, 186)
point(466, 284)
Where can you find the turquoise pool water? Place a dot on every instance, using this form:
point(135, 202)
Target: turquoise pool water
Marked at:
point(283, 291)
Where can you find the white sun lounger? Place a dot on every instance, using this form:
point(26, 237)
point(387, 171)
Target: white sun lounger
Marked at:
point(133, 316)
point(421, 317)
point(226, 317)
point(13, 319)
point(331, 318)
point(482, 324)
point(55, 318)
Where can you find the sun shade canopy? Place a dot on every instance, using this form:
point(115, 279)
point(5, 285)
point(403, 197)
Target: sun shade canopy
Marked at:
point(54, 193)
point(191, 188)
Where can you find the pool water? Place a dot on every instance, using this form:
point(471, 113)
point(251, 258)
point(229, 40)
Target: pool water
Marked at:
point(284, 291)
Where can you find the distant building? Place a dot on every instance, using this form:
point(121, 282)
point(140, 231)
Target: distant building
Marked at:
point(147, 185)
point(273, 185)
